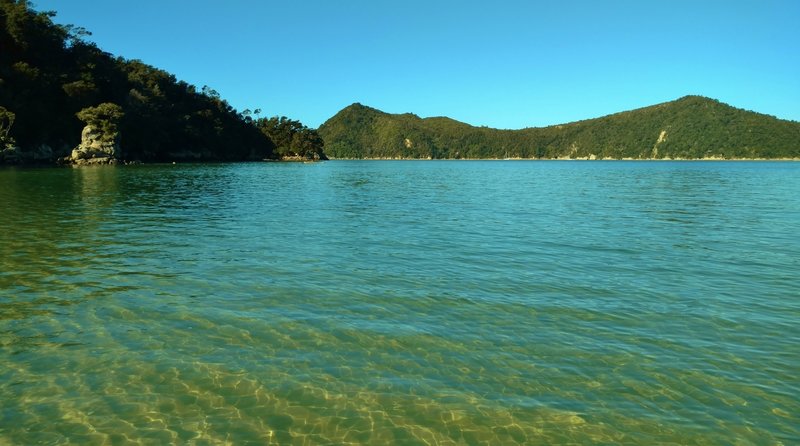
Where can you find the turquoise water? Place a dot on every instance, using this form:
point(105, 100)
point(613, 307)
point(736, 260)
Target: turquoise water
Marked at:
point(367, 302)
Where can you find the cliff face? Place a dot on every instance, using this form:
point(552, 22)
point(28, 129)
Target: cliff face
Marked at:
point(688, 128)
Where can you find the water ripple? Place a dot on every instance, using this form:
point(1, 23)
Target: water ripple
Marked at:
point(402, 302)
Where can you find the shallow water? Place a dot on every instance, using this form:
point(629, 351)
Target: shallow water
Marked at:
point(371, 302)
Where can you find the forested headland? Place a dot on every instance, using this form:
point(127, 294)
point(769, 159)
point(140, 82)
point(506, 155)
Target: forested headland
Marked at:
point(63, 98)
point(692, 127)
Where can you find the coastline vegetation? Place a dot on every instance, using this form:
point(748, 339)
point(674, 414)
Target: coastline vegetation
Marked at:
point(292, 139)
point(51, 79)
point(692, 127)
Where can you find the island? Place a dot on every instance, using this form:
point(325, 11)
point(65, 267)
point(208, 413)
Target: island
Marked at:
point(692, 127)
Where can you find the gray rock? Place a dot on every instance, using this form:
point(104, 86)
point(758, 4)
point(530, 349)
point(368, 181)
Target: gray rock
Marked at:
point(95, 161)
point(42, 153)
point(96, 144)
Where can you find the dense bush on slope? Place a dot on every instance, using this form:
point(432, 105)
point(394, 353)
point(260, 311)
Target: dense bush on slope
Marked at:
point(690, 127)
point(48, 74)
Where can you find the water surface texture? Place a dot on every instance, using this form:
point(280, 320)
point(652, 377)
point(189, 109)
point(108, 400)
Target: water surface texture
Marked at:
point(440, 302)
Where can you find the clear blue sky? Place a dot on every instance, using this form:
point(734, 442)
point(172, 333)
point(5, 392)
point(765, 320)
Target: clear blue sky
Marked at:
point(505, 64)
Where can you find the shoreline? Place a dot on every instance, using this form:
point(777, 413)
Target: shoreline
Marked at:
point(306, 161)
point(564, 159)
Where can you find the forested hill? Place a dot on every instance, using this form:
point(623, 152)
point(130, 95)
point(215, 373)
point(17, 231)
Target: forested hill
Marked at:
point(53, 83)
point(688, 128)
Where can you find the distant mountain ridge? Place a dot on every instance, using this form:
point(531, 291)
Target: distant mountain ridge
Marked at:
point(692, 127)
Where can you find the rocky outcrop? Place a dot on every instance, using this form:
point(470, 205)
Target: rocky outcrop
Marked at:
point(100, 138)
point(311, 156)
point(96, 147)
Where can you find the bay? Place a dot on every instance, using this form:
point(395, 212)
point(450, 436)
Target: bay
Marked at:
point(406, 302)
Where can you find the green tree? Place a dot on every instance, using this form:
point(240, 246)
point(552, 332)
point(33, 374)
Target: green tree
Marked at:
point(292, 138)
point(105, 116)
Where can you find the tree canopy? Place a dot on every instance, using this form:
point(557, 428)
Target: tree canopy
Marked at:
point(292, 138)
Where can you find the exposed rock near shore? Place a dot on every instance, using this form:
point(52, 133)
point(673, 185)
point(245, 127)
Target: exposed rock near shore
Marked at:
point(307, 158)
point(100, 138)
point(96, 147)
